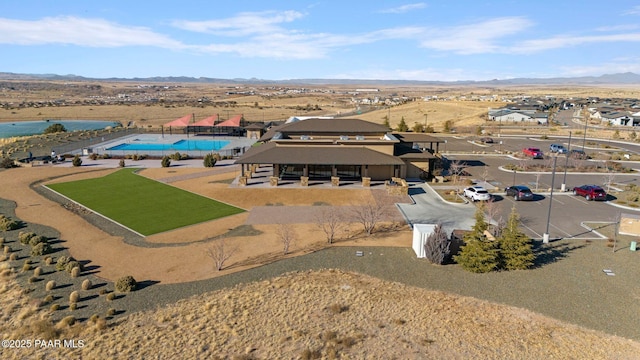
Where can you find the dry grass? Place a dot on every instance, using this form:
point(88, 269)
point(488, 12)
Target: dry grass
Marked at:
point(330, 314)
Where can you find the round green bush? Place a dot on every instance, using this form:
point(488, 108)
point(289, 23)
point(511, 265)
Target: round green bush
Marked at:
point(38, 240)
point(72, 264)
point(62, 262)
point(41, 249)
point(25, 237)
point(166, 161)
point(126, 284)
point(209, 160)
point(76, 161)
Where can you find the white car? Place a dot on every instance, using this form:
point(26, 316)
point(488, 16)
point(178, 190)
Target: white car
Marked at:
point(477, 193)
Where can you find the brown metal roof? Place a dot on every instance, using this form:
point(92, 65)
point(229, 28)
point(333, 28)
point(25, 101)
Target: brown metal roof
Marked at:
point(270, 153)
point(334, 126)
point(417, 138)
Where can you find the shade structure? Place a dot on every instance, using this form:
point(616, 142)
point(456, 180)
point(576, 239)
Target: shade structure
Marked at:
point(181, 122)
point(209, 121)
point(232, 122)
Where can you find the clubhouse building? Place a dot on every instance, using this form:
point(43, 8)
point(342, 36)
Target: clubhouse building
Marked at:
point(341, 149)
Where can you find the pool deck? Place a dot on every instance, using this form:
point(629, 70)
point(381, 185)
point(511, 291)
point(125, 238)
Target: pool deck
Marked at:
point(234, 143)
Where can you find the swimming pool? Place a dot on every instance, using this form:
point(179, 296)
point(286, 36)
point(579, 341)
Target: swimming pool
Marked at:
point(26, 128)
point(182, 145)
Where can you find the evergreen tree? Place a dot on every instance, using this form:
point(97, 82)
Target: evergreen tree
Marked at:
point(386, 121)
point(516, 249)
point(402, 126)
point(479, 254)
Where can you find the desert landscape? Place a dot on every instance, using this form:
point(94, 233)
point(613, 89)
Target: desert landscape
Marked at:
point(297, 314)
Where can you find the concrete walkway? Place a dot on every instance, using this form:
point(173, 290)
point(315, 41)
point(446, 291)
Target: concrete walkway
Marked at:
point(430, 208)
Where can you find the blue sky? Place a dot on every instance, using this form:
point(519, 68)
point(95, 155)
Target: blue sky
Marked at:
point(278, 40)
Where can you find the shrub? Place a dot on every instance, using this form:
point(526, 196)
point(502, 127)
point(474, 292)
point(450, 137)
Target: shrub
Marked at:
point(76, 161)
point(66, 322)
point(176, 156)
point(209, 160)
point(62, 262)
point(111, 296)
point(166, 161)
point(37, 271)
point(111, 312)
point(26, 266)
point(48, 260)
point(93, 156)
point(121, 164)
point(73, 306)
point(7, 224)
point(50, 285)
point(33, 279)
point(126, 284)
point(13, 257)
point(41, 249)
point(71, 265)
point(38, 240)
point(74, 297)
point(75, 272)
point(86, 284)
point(1, 240)
point(7, 163)
point(55, 128)
point(54, 307)
point(25, 237)
point(48, 299)
point(6, 249)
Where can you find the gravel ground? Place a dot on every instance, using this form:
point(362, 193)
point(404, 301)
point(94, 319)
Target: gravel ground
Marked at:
point(568, 282)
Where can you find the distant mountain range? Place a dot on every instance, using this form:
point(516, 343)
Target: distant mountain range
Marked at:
point(607, 79)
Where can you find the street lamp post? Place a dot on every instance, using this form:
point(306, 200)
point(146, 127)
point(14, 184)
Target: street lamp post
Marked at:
point(584, 137)
point(545, 236)
point(563, 188)
point(514, 177)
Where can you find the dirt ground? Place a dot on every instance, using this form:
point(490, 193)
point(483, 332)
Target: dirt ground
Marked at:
point(116, 258)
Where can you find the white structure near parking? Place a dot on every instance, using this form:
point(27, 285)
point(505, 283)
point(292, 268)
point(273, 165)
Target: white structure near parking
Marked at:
point(421, 233)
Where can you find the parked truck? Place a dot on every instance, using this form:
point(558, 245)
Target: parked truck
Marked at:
point(532, 152)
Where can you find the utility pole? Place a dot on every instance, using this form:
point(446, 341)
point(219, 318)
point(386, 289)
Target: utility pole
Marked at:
point(586, 122)
point(545, 236)
point(563, 188)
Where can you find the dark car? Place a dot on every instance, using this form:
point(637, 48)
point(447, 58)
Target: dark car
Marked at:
point(487, 140)
point(590, 192)
point(519, 192)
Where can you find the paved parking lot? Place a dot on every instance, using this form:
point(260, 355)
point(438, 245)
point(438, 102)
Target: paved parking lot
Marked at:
point(568, 212)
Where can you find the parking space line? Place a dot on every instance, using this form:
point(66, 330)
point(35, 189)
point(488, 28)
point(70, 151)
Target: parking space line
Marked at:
point(568, 235)
point(530, 229)
point(556, 199)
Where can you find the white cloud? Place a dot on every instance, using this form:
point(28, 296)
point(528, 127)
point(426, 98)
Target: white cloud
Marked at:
point(243, 24)
point(633, 11)
point(475, 38)
point(403, 9)
point(80, 31)
point(615, 66)
point(532, 46)
point(627, 27)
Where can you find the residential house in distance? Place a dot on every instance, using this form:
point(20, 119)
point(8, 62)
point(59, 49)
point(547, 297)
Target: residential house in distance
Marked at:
point(508, 115)
point(348, 149)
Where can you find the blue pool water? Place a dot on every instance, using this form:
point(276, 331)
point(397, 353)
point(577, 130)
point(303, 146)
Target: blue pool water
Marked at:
point(27, 128)
point(182, 145)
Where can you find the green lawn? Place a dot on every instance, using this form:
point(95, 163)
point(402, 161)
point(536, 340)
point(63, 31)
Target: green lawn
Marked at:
point(141, 204)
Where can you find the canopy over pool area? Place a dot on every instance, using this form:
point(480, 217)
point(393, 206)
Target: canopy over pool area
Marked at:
point(27, 128)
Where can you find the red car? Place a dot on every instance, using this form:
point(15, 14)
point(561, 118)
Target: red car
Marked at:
point(533, 152)
point(590, 192)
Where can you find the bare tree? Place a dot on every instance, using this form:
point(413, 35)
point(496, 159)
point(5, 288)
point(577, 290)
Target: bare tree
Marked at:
point(369, 215)
point(286, 234)
point(492, 208)
point(436, 246)
point(609, 178)
point(220, 253)
point(538, 175)
point(455, 168)
point(330, 221)
point(485, 173)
